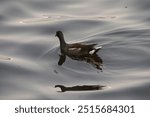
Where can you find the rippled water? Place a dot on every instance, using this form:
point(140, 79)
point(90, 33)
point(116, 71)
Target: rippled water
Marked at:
point(29, 50)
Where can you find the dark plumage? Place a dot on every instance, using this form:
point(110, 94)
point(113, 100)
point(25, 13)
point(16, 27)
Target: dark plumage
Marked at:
point(76, 50)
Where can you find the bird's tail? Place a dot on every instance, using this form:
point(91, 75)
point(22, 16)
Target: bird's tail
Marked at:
point(95, 50)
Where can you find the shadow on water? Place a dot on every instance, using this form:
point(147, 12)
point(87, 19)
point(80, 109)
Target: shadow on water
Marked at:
point(80, 88)
point(94, 60)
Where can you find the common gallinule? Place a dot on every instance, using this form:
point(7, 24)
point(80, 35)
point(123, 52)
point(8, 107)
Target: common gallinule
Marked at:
point(77, 50)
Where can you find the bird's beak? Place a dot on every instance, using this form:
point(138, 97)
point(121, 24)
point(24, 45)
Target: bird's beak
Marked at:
point(56, 35)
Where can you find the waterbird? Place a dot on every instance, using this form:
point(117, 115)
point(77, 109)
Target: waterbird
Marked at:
point(77, 50)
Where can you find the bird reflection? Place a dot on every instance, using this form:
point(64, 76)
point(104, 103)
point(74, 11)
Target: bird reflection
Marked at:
point(80, 88)
point(94, 60)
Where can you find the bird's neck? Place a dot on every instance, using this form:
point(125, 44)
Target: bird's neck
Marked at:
point(62, 41)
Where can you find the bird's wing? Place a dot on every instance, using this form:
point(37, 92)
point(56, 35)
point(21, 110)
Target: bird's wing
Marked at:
point(75, 45)
point(78, 45)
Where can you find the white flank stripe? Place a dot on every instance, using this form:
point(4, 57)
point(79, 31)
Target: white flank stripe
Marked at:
point(74, 49)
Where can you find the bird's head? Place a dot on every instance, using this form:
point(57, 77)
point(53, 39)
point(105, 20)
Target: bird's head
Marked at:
point(59, 34)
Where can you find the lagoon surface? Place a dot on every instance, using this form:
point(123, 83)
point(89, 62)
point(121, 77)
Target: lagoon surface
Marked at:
point(29, 50)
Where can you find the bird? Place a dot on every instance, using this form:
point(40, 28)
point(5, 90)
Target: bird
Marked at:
point(76, 50)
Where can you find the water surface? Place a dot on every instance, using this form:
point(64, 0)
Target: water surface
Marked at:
point(29, 50)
